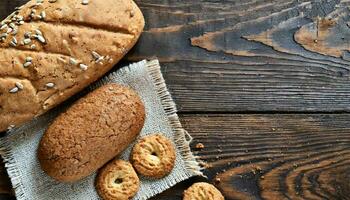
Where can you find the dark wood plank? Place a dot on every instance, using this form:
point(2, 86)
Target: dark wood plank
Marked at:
point(275, 156)
point(272, 156)
point(7, 197)
point(5, 184)
point(250, 55)
point(266, 55)
point(7, 6)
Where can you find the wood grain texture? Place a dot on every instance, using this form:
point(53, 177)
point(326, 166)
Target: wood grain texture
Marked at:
point(275, 156)
point(255, 56)
point(237, 56)
point(278, 156)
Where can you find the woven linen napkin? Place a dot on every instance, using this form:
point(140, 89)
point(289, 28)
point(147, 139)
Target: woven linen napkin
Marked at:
point(19, 147)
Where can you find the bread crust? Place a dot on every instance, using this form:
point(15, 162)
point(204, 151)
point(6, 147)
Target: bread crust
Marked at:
point(91, 132)
point(45, 60)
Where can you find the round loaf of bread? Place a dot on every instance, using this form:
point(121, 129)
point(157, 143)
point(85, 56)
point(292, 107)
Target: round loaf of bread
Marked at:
point(91, 132)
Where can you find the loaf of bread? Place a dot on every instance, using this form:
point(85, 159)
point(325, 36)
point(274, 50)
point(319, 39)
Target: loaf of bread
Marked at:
point(51, 49)
point(91, 132)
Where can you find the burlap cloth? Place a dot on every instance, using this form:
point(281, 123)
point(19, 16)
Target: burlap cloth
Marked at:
point(18, 148)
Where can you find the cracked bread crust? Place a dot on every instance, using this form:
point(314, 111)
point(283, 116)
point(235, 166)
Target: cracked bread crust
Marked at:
point(65, 61)
point(91, 132)
point(117, 181)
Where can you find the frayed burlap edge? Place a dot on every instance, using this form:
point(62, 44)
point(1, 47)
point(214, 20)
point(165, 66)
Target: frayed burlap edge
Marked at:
point(181, 137)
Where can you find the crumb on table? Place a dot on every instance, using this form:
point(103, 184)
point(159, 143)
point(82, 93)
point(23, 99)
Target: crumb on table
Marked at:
point(199, 146)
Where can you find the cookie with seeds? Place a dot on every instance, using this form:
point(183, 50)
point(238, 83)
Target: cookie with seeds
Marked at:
point(153, 156)
point(202, 190)
point(117, 181)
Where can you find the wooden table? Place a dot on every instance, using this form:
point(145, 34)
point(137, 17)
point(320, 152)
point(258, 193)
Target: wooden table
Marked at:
point(263, 84)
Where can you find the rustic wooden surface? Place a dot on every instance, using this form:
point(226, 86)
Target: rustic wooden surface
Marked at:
point(263, 84)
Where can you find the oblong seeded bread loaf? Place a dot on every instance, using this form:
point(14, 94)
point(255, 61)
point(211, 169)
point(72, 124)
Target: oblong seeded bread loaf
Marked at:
point(51, 49)
point(91, 132)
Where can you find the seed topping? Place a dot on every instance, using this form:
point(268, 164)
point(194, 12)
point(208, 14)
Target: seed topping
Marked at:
point(83, 67)
point(13, 42)
point(14, 90)
point(12, 25)
point(15, 31)
point(27, 64)
point(43, 15)
point(40, 38)
point(9, 30)
point(38, 32)
point(98, 58)
point(73, 61)
point(3, 35)
point(50, 85)
point(19, 85)
point(85, 2)
point(95, 55)
point(3, 27)
point(29, 59)
point(27, 41)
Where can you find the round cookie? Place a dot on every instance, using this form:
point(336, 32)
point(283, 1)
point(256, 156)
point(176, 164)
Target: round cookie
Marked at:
point(153, 156)
point(202, 190)
point(117, 181)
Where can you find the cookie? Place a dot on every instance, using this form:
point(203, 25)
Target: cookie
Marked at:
point(202, 190)
point(153, 156)
point(117, 181)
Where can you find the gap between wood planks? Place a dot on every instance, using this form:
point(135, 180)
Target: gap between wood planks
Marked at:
point(261, 112)
point(281, 156)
